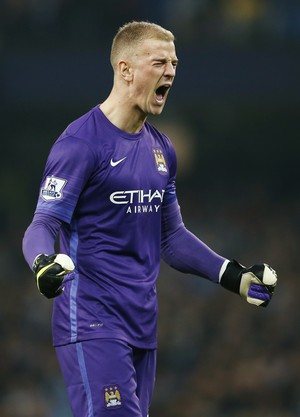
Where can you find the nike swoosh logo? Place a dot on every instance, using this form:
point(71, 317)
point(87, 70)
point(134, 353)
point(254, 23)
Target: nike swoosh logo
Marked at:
point(115, 163)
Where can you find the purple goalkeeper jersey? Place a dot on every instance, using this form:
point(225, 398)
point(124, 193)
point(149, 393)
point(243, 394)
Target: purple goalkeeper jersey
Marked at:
point(108, 187)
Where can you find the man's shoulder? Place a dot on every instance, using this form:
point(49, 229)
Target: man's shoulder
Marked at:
point(83, 127)
point(159, 134)
point(160, 137)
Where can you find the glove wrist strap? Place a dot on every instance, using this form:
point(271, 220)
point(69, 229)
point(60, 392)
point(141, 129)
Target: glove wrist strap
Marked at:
point(231, 279)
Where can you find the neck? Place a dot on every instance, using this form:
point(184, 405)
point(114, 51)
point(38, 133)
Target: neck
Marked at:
point(122, 114)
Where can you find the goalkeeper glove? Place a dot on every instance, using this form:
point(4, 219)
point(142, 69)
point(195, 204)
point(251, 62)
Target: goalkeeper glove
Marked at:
point(50, 271)
point(256, 284)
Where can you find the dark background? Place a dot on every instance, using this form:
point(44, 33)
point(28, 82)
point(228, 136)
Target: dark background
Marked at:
point(233, 115)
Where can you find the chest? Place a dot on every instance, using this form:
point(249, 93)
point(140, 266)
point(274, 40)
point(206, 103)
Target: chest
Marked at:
point(135, 168)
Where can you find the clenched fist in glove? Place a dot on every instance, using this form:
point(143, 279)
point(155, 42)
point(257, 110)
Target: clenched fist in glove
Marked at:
point(50, 271)
point(256, 284)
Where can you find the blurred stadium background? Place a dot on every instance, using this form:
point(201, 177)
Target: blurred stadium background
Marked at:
point(233, 115)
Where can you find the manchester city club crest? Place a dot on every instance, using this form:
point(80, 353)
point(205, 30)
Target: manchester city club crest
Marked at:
point(52, 189)
point(160, 161)
point(112, 396)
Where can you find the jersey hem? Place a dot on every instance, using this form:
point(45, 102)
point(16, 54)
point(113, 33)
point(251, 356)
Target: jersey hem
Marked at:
point(108, 335)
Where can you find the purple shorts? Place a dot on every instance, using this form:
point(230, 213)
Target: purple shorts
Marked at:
point(107, 378)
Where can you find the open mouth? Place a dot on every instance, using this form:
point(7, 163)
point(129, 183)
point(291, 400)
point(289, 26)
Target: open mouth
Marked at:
point(161, 92)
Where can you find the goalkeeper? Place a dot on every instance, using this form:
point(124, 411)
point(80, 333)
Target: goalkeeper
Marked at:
point(109, 193)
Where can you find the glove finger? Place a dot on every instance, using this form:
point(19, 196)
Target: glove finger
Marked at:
point(49, 284)
point(259, 292)
point(52, 294)
point(259, 288)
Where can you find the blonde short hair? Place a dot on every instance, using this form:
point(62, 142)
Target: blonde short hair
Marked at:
point(130, 35)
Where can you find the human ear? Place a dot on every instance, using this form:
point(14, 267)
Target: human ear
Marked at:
point(126, 71)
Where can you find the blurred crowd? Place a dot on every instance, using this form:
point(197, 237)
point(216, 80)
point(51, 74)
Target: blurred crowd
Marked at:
point(43, 22)
point(238, 189)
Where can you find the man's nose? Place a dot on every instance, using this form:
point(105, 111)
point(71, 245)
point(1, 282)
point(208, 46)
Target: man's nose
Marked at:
point(170, 70)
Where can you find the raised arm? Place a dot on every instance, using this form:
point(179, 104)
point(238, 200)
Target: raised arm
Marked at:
point(183, 251)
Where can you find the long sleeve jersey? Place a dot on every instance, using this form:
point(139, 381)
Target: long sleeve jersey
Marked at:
point(111, 197)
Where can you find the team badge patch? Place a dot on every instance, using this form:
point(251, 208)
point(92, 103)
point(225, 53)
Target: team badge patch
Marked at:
point(112, 396)
point(52, 189)
point(160, 161)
